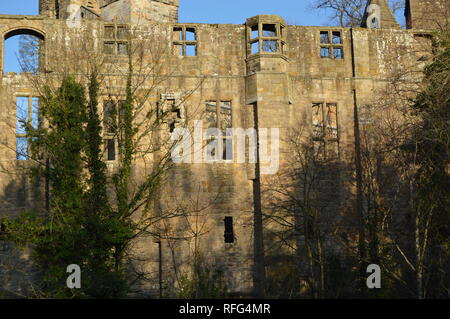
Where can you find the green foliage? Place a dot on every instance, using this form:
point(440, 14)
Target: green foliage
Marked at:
point(80, 227)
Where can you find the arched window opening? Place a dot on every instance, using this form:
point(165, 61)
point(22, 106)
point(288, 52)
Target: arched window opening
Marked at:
point(23, 51)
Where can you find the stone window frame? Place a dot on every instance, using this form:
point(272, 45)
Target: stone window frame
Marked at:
point(181, 42)
point(321, 132)
point(109, 136)
point(172, 109)
point(31, 116)
point(116, 39)
point(330, 45)
point(219, 114)
point(279, 38)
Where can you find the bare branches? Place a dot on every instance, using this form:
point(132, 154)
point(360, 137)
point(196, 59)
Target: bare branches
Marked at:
point(349, 13)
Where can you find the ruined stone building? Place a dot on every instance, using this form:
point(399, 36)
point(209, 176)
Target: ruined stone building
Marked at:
point(262, 73)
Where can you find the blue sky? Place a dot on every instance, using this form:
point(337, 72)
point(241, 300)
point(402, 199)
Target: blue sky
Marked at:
point(296, 12)
point(213, 11)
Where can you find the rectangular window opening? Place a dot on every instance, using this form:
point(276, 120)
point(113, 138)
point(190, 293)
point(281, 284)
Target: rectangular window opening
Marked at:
point(228, 148)
point(269, 30)
point(111, 149)
point(255, 32)
point(21, 148)
point(109, 32)
point(338, 53)
point(21, 114)
point(211, 114)
point(337, 37)
point(108, 48)
point(317, 120)
point(229, 232)
point(122, 48)
point(178, 34)
point(255, 47)
point(185, 41)
point(324, 52)
point(27, 115)
point(331, 117)
point(324, 38)
point(190, 34)
point(122, 33)
point(191, 50)
point(270, 46)
point(109, 117)
point(35, 112)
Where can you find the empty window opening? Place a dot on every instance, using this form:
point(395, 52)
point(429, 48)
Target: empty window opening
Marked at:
point(111, 149)
point(270, 46)
point(255, 47)
point(190, 34)
point(331, 116)
point(317, 120)
point(226, 126)
point(191, 50)
point(185, 41)
point(115, 40)
point(337, 37)
point(27, 116)
point(325, 130)
point(110, 117)
point(325, 52)
point(229, 232)
point(269, 30)
point(219, 115)
point(57, 15)
point(254, 32)
point(331, 45)
point(122, 48)
point(122, 33)
point(338, 53)
point(24, 51)
point(178, 33)
point(211, 114)
point(266, 38)
point(109, 32)
point(324, 37)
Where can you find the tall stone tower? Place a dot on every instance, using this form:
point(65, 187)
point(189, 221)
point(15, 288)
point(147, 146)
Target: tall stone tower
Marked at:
point(140, 11)
point(427, 14)
point(59, 9)
point(47, 8)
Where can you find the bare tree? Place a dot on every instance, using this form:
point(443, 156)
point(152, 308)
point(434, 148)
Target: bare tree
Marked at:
point(349, 13)
point(133, 82)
